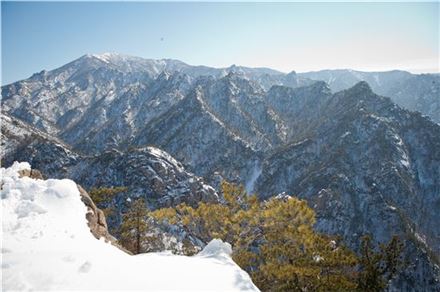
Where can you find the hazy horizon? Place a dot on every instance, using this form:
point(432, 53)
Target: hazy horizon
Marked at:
point(300, 37)
point(224, 67)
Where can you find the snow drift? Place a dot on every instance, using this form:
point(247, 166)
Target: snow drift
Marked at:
point(47, 245)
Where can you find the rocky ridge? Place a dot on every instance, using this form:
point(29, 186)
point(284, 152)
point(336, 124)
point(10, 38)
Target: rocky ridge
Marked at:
point(416, 92)
point(147, 172)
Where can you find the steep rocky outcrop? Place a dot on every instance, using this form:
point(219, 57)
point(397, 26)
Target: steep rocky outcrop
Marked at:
point(420, 93)
point(21, 141)
point(95, 218)
point(416, 92)
point(99, 102)
point(148, 172)
point(198, 137)
point(363, 169)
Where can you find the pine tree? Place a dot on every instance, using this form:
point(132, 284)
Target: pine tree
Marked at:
point(293, 257)
point(103, 196)
point(377, 268)
point(134, 226)
point(273, 241)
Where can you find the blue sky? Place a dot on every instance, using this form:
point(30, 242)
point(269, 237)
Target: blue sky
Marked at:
point(283, 36)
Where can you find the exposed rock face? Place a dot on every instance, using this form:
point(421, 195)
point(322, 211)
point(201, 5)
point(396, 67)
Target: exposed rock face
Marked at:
point(147, 172)
point(415, 92)
point(95, 217)
point(420, 93)
point(363, 170)
point(99, 101)
point(341, 79)
point(199, 138)
point(21, 141)
point(365, 164)
point(32, 173)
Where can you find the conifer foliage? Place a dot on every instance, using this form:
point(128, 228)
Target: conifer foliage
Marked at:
point(379, 265)
point(103, 197)
point(134, 226)
point(293, 257)
point(273, 241)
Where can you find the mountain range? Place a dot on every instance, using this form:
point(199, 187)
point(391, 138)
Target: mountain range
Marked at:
point(171, 132)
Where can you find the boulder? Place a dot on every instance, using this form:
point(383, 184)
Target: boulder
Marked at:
point(96, 220)
point(32, 173)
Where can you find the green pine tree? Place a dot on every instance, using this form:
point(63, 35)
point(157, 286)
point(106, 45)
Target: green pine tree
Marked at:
point(274, 241)
point(134, 226)
point(103, 196)
point(378, 267)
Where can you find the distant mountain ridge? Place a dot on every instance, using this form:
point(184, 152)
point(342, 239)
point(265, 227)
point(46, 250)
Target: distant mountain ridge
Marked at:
point(417, 92)
point(361, 161)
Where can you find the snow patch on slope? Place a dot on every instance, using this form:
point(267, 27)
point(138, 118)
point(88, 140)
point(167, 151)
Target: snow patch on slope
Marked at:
point(47, 245)
point(256, 172)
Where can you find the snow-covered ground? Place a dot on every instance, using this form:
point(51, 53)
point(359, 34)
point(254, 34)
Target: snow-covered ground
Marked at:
point(47, 245)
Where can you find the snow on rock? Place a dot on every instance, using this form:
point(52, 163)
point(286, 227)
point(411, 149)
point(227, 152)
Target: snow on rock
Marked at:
point(216, 247)
point(47, 245)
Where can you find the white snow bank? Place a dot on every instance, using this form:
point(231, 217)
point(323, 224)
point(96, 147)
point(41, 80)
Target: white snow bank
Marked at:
point(216, 248)
point(47, 245)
